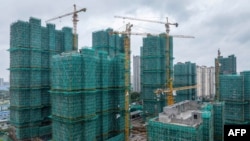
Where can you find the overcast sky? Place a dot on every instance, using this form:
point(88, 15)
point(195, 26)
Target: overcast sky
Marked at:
point(223, 24)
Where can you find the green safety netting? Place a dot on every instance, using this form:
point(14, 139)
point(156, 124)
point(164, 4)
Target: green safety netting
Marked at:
point(22, 117)
point(163, 131)
point(153, 71)
point(231, 88)
point(73, 105)
point(77, 131)
point(185, 75)
point(31, 49)
point(246, 84)
point(219, 120)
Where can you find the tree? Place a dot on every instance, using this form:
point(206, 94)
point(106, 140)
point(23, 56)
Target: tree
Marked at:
point(135, 97)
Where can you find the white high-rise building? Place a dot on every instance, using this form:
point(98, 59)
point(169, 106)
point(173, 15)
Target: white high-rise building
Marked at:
point(205, 81)
point(136, 74)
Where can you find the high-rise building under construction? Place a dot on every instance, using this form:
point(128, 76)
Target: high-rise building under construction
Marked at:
point(63, 94)
point(185, 75)
point(31, 49)
point(154, 72)
point(227, 65)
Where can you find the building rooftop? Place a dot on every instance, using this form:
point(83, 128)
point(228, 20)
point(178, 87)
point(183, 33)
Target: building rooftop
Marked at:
point(184, 113)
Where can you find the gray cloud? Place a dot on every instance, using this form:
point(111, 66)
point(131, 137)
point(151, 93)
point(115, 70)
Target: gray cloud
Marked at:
point(215, 24)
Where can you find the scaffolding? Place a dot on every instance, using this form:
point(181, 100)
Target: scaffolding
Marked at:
point(153, 72)
point(109, 49)
point(219, 120)
point(73, 95)
point(185, 75)
point(234, 90)
point(31, 49)
point(88, 85)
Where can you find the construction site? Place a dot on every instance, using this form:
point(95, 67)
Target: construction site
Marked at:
point(62, 92)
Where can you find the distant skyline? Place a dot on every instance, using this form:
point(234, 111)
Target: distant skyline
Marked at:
point(216, 24)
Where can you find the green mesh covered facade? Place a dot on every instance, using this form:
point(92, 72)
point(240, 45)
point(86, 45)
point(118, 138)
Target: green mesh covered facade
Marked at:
point(185, 75)
point(234, 91)
point(172, 131)
point(166, 132)
point(104, 40)
point(87, 91)
point(31, 49)
point(219, 120)
point(110, 88)
point(153, 72)
point(227, 65)
point(246, 91)
point(208, 122)
point(73, 96)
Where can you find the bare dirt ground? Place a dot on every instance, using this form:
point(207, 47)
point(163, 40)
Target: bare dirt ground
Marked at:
point(138, 132)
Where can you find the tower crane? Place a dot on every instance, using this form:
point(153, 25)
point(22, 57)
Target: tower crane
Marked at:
point(75, 20)
point(160, 91)
point(127, 34)
point(217, 76)
point(170, 97)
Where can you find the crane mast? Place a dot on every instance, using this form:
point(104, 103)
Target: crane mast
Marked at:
point(217, 76)
point(127, 34)
point(127, 79)
point(75, 20)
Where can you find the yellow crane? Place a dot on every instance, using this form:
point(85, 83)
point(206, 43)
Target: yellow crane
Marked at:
point(127, 34)
point(217, 76)
point(170, 97)
point(75, 20)
point(168, 90)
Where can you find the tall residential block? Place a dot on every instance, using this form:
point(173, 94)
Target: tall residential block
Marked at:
point(73, 96)
point(234, 91)
point(154, 71)
point(110, 88)
point(185, 75)
point(91, 92)
point(137, 73)
point(205, 81)
point(227, 65)
point(31, 49)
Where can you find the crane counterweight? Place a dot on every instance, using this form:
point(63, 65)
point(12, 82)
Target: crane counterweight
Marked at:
point(75, 20)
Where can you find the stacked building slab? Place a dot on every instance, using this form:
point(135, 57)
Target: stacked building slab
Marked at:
point(31, 49)
point(110, 85)
point(186, 120)
point(185, 75)
point(153, 72)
